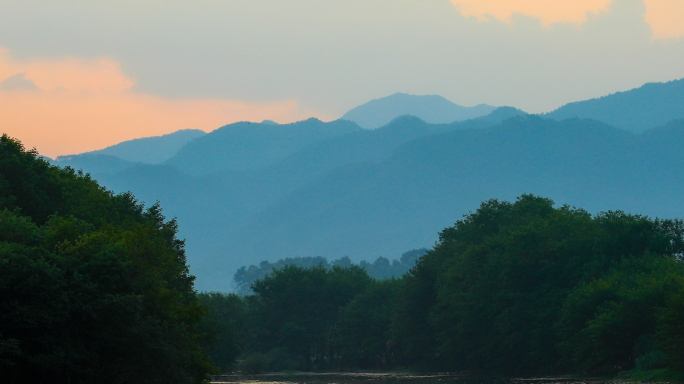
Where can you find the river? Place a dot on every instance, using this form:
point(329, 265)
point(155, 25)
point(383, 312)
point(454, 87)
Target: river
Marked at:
point(387, 378)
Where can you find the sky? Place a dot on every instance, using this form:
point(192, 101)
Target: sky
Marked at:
point(81, 75)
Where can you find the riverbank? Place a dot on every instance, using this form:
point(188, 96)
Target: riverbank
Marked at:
point(402, 378)
point(654, 375)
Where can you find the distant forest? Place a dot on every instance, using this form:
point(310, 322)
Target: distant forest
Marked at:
point(381, 268)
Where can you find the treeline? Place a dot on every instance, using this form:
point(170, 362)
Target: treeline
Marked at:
point(94, 288)
point(512, 288)
point(381, 268)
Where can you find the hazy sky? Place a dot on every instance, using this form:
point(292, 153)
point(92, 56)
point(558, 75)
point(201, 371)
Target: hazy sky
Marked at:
point(81, 75)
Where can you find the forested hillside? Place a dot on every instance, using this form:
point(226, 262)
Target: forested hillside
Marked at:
point(522, 288)
point(93, 286)
point(400, 203)
point(636, 110)
point(367, 194)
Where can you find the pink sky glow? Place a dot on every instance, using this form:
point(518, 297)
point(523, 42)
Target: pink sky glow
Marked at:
point(82, 105)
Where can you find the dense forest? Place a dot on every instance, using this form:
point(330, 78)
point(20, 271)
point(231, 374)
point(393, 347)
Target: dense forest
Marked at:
point(512, 288)
point(94, 288)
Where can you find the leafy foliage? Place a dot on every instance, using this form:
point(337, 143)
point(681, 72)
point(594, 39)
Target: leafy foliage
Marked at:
point(224, 327)
point(299, 309)
point(514, 288)
point(93, 287)
point(365, 325)
point(492, 289)
point(609, 324)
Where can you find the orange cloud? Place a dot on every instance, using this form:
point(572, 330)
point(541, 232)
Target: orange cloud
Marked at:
point(82, 105)
point(666, 17)
point(548, 11)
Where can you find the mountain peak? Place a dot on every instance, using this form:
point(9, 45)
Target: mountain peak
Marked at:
point(432, 109)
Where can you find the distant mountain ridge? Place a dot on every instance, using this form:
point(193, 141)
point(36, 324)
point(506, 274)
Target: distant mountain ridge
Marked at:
point(214, 207)
point(637, 110)
point(261, 191)
point(428, 183)
point(148, 150)
point(411, 180)
point(432, 109)
point(94, 163)
point(370, 193)
point(245, 145)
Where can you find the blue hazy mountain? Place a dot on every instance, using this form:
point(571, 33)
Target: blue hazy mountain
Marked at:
point(244, 146)
point(261, 191)
point(382, 208)
point(148, 150)
point(93, 163)
point(500, 114)
point(652, 105)
point(213, 207)
point(431, 109)
point(377, 193)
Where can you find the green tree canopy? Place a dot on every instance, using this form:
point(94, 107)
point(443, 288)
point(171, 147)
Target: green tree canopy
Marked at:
point(299, 309)
point(93, 286)
point(611, 324)
point(488, 296)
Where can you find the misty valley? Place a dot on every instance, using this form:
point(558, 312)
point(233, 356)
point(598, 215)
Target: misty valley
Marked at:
point(413, 241)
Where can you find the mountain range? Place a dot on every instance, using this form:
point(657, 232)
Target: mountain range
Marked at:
point(334, 189)
point(650, 106)
point(148, 150)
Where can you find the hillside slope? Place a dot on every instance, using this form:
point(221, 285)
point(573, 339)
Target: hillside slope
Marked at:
point(248, 146)
point(370, 193)
point(214, 207)
point(650, 106)
point(148, 150)
point(403, 202)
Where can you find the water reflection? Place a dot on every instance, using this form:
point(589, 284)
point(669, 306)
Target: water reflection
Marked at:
point(386, 378)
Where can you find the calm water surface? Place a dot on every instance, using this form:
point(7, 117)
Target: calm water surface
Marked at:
point(388, 378)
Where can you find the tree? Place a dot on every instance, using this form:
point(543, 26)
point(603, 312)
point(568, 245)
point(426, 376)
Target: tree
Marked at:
point(487, 297)
point(224, 327)
point(609, 324)
point(93, 286)
point(298, 309)
point(365, 324)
